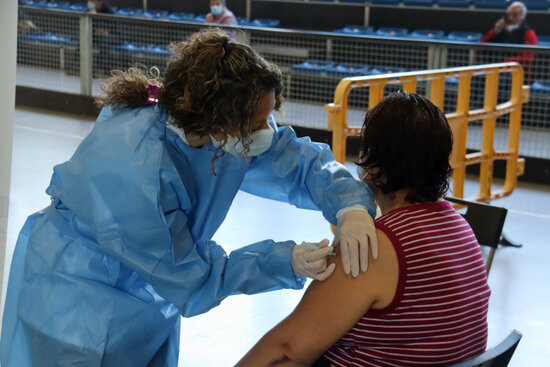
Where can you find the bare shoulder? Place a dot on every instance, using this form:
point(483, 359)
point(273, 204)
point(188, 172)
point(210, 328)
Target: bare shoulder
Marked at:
point(340, 302)
point(374, 288)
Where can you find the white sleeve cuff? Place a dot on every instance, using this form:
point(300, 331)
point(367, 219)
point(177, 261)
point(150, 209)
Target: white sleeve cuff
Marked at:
point(350, 208)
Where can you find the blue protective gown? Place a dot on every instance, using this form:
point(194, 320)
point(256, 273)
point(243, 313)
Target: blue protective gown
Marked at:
point(102, 275)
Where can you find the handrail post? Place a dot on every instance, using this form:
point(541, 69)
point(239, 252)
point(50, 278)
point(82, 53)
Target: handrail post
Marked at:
point(459, 126)
point(488, 134)
point(335, 124)
point(366, 15)
point(248, 8)
point(438, 89)
point(514, 127)
point(86, 63)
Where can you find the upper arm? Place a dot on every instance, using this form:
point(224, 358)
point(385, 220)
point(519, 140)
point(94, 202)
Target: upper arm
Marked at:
point(530, 37)
point(305, 174)
point(487, 37)
point(331, 308)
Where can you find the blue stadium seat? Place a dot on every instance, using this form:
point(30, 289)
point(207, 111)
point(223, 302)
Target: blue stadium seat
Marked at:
point(536, 4)
point(541, 86)
point(157, 14)
point(454, 3)
point(504, 83)
point(392, 32)
point(313, 66)
point(36, 3)
point(181, 16)
point(387, 70)
point(130, 12)
point(47, 38)
point(263, 22)
point(61, 5)
point(156, 51)
point(79, 7)
point(355, 29)
point(428, 3)
point(243, 21)
point(350, 69)
point(491, 4)
point(386, 2)
point(140, 49)
point(451, 82)
point(126, 48)
point(200, 18)
point(427, 34)
point(544, 41)
point(465, 36)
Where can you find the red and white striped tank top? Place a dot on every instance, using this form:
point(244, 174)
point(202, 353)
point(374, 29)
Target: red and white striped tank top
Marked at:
point(439, 313)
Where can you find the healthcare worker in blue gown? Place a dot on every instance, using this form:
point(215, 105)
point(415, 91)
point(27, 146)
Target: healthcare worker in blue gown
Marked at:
point(102, 275)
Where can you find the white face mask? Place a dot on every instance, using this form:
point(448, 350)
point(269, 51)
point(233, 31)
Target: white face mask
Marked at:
point(216, 10)
point(91, 5)
point(261, 141)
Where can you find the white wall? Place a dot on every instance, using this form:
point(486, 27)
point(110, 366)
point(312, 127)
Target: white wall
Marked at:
point(8, 43)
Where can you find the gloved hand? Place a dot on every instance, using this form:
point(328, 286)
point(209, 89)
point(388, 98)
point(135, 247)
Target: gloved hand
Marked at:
point(356, 233)
point(313, 263)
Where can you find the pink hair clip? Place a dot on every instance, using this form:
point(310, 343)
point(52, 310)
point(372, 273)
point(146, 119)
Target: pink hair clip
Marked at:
point(153, 93)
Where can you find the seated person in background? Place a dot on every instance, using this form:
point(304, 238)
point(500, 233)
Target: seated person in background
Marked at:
point(219, 14)
point(99, 6)
point(424, 301)
point(513, 28)
point(105, 34)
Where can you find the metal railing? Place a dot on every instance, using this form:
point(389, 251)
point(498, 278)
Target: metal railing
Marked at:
point(459, 118)
point(66, 52)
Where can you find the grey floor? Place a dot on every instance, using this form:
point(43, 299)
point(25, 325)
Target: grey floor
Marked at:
point(519, 279)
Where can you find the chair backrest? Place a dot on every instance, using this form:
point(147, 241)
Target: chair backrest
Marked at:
point(486, 220)
point(465, 36)
point(497, 356)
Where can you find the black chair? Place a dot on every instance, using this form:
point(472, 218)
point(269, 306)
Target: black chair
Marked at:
point(497, 356)
point(486, 222)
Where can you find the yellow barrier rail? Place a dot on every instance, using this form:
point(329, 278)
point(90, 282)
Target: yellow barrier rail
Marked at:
point(458, 119)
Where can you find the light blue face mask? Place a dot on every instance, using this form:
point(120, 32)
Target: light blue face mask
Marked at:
point(91, 5)
point(216, 10)
point(261, 141)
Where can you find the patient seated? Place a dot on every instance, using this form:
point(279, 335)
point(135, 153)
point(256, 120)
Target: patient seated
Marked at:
point(424, 301)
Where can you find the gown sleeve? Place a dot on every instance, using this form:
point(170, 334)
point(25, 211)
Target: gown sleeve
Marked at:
point(139, 212)
point(305, 174)
point(203, 274)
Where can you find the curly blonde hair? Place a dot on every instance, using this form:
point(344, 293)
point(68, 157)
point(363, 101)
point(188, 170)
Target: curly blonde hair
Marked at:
point(211, 85)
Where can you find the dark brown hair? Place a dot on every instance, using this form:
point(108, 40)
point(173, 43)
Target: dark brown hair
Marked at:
point(406, 144)
point(211, 85)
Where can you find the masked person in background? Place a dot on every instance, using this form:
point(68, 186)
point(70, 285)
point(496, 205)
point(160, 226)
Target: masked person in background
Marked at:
point(219, 14)
point(99, 7)
point(102, 275)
